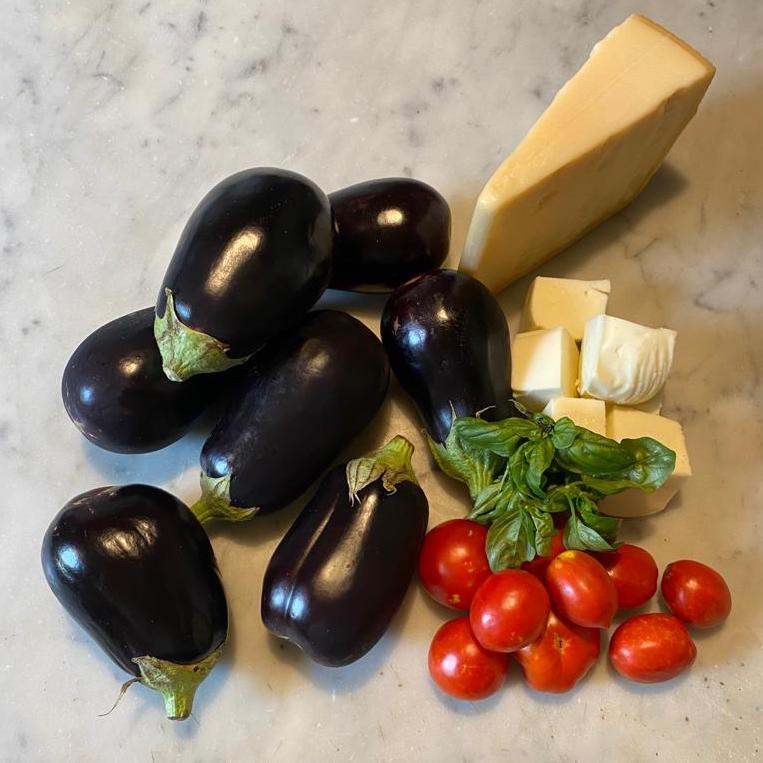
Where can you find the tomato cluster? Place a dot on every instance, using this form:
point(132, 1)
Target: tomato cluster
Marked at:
point(550, 613)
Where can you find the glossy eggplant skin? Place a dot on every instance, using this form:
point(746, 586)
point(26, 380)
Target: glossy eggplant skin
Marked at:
point(304, 398)
point(387, 231)
point(448, 344)
point(254, 256)
point(341, 571)
point(117, 395)
point(135, 569)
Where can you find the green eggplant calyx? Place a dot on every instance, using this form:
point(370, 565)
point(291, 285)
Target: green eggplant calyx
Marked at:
point(176, 683)
point(215, 501)
point(185, 351)
point(391, 463)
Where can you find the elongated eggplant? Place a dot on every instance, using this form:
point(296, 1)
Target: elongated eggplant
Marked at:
point(341, 571)
point(304, 398)
point(135, 569)
point(116, 393)
point(387, 231)
point(253, 258)
point(448, 344)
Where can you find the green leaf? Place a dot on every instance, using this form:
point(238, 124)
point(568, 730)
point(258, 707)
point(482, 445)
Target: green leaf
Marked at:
point(485, 503)
point(586, 529)
point(538, 455)
point(564, 433)
point(499, 437)
point(511, 540)
point(476, 467)
point(544, 530)
point(609, 466)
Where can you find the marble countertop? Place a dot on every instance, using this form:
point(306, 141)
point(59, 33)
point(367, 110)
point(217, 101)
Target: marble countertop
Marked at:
point(117, 116)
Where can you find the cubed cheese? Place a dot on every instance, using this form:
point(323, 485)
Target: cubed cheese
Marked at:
point(589, 154)
point(544, 365)
point(624, 362)
point(564, 302)
point(628, 423)
point(590, 414)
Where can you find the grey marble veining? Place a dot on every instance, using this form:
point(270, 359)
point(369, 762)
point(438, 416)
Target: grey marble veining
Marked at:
point(117, 116)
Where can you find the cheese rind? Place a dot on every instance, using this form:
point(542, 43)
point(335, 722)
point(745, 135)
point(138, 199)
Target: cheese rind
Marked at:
point(590, 414)
point(544, 365)
point(564, 302)
point(624, 422)
point(624, 362)
point(589, 154)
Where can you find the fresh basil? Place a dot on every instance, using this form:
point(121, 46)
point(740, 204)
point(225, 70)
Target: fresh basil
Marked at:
point(521, 471)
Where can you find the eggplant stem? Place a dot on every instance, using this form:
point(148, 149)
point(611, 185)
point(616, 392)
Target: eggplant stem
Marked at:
point(185, 351)
point(390, 463)
point(177, 683)
point(215, 502)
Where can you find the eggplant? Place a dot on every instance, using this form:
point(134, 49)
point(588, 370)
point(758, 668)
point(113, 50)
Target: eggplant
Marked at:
point(135, 569)
point(448, 345)
point(254, 256)
point(342, 570)
point(303, 399)
point(387, 231)
point(117, 395)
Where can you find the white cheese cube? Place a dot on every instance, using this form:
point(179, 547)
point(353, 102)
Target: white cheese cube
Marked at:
point(623, 362)
point(584, 412)
point(564, 302)
point(544, 365)
point(624, 422)
point(589, 154)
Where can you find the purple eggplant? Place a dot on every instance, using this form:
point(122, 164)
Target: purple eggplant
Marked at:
point(135, 569)
point(342, 570)
point(303, 399)
point(116, 393)
point(448, 344)
point(253, 258)
point(387, 231)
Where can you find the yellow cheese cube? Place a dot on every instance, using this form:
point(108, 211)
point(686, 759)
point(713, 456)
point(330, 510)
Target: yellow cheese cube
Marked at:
point(590, 414)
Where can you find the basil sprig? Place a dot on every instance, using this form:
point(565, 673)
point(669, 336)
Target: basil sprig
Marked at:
point(521, 471)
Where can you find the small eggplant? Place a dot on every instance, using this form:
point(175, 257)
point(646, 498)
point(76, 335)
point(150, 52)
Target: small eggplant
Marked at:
point(303, 399)
point(387, 231)
point(116, 393)
point(253, 258)
point(135, 569)
point(341, 571)
point(448, 344)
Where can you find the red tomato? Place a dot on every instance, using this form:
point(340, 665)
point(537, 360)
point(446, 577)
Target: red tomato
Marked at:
point(634, 573)
point(560, 657)
point(509, 610)
point(651, 648)
point(581, 590)
point(696, 593)
point(461, 667)
point(539, 565)
point(453, 562)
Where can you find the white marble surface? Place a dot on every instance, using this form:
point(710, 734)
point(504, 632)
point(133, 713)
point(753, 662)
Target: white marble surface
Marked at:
point(116, 117)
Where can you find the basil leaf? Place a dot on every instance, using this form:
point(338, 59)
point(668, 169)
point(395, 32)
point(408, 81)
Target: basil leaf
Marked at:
point(564, 433)
point(586, 529)
point(472, 465)
point(499, 437)
point(609, 466)
point(538, 456)
point(486, 503)
point(544, 530)
point(511, 540)
point(605, 526)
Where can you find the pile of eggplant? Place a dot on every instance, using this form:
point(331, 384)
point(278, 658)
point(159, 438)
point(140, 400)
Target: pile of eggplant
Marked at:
point(234, 322)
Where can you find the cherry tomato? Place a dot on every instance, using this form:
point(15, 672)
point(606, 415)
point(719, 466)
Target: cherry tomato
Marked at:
point(539, 565)
point(581, 590)
point(461, 666)
point(453, 562)
point(560, 657)
point(634, 573)
point(509, 610)
point(651, 648)
point(696, 593)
